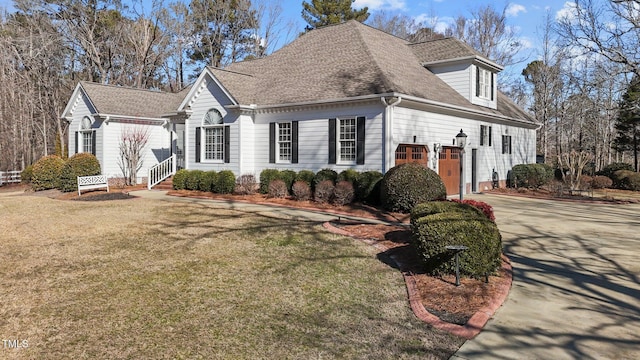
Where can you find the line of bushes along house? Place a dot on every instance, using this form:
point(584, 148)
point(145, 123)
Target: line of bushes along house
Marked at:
point(615, 175)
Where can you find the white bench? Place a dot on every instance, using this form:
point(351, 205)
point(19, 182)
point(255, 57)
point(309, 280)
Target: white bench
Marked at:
point(92, 182)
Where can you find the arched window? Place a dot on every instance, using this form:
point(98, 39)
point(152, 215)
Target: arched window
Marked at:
point(85, 136)
point(213, 135)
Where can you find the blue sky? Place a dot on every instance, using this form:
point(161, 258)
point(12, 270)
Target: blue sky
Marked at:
point(526, 16)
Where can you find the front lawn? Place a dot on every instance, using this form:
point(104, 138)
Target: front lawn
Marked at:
point(150, 279)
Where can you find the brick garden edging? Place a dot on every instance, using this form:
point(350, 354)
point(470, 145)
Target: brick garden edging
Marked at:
point(475, 323)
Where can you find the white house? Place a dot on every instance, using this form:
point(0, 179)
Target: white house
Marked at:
point(342, 96)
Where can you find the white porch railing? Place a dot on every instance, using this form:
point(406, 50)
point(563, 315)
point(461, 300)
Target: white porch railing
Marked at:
point(163, 170)
point(8, 177)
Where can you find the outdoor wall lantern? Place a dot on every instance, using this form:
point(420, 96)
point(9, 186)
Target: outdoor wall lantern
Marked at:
point(461, 141)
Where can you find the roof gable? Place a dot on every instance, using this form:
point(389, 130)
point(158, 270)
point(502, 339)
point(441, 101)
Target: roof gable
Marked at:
point(448, 50)
point(201, 83)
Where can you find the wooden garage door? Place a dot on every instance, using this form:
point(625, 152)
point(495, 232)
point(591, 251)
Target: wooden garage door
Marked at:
point(412, 153)
point(449, 169)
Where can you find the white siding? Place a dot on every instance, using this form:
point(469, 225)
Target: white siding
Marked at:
point(83, 108)
point(430, 129)
point(313, 138)
point(212, 97)
point(458, 76)
point(156, 150)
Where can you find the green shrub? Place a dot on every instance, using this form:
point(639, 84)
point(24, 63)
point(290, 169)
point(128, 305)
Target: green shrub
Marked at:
point(626, 180)
point(450, 223)
point(266, 176)
point(26, 174)
point(46, 173)
point(288, 176)
point(193, 180)
point(367, 187)
point(179, 179)
point(349, 175)
point(225, 182)
point(323, 175)
point(343, 193)
point(306, 176)
point(80, 164)
point(613, 167)
point(207, 181)
point(437, 207)
point(532, 176)
point(404, 186)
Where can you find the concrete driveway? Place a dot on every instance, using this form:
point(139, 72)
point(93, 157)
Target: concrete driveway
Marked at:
point(576, 291)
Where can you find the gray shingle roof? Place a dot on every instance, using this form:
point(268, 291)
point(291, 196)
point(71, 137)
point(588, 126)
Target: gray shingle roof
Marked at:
point(442, 49)
point(118, 100)
point(350, 60)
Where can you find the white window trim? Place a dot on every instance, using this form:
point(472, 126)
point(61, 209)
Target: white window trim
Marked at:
point(484, 82)
point(339, 160)
point(86, 132)
point(278, 142)
point(203, 138)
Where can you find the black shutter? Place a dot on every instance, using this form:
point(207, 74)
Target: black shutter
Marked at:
point(272, 143)
point(483, 129)
point(509, 144)
point(332, 141)
point(198, 144)
point(477, 81)
point(227, 144)
point(294, 142)
point(93, 142)
point(360, 135)
point(489, 135)
point(77, 137)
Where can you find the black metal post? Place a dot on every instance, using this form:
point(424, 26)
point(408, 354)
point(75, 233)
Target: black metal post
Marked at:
point(457, 270)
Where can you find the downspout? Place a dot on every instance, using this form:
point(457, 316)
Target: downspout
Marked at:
point(388, 132)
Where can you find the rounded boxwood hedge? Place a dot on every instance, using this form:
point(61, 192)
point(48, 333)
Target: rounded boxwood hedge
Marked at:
point(25, 175)
point(46, 173)
point(306, 176)
point(323, 175)
point(179, 179)
point(532, 175)
point(80, 164)
point(349, 175)
point(208, 180)
point(367, 187)
point(266, 176)
point(438, 224)
point(404, 186)
point(225, 182)
point(193, 180)
point(289, 177)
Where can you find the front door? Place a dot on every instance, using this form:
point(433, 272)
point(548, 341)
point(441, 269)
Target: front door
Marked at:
point(179, 146)
point(449, 169)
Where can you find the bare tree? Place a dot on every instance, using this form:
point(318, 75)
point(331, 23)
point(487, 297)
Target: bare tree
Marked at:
point(608, 28)
point(487, 31)
point(133, 141)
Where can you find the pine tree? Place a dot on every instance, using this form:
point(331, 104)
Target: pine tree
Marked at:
point(326, 12)
point(628, 123)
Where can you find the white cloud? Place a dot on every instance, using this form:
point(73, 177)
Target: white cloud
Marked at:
point(568, 12)
point(439, 24)
point(380, 4)
point(515, 9)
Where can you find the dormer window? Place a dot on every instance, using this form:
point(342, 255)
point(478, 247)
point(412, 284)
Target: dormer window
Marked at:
point(484, 84)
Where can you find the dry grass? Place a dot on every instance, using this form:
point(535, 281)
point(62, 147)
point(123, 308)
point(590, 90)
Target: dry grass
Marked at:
point(142, 279)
